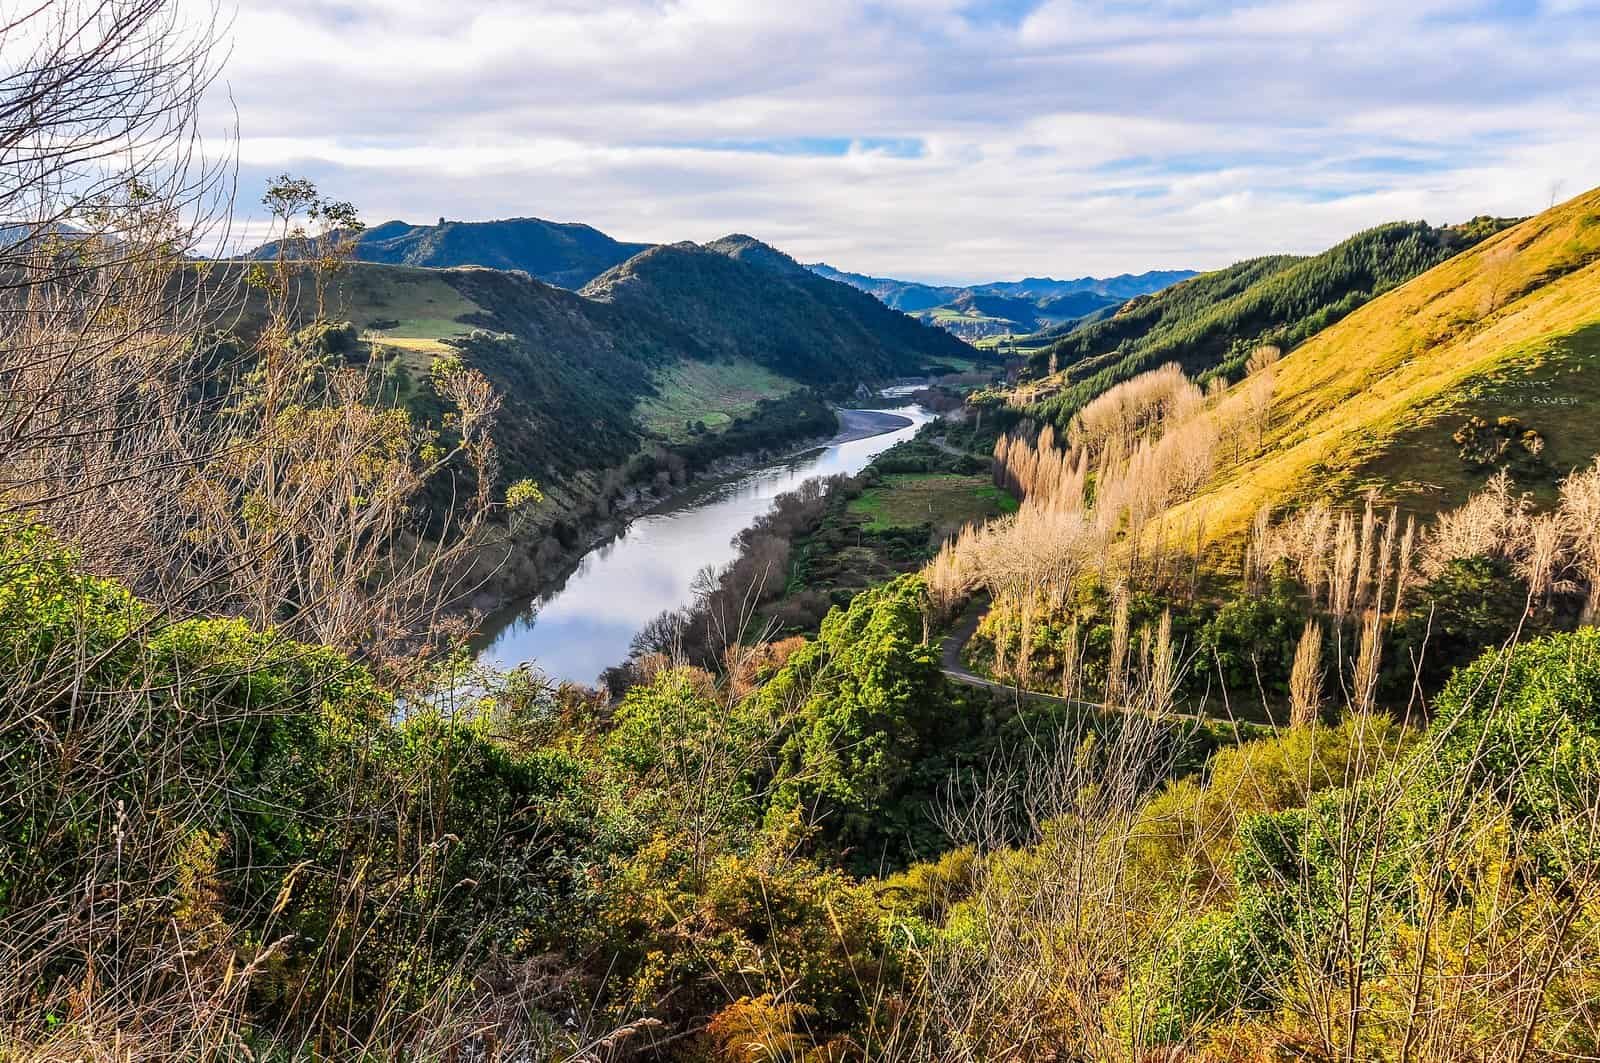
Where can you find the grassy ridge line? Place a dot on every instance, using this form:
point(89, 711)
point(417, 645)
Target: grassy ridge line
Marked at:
point(1348, 393)
point(1209, 324)
point(566, 254)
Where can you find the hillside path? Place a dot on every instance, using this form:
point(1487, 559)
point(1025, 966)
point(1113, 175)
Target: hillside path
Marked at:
point(950, 664)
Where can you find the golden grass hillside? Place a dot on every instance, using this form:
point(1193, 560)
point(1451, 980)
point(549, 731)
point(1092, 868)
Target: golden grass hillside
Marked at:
point(1511, 327)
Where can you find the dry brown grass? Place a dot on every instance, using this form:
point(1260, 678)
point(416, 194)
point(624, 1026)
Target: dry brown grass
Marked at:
point(1305, 678)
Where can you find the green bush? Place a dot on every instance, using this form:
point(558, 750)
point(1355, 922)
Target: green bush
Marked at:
point(1251, 641)
point(1473, 603)
point(865, 716)
point(1521, 725)
point(1188, 834)
point(1518, 730)
point(1210, 971)
point(261, 800)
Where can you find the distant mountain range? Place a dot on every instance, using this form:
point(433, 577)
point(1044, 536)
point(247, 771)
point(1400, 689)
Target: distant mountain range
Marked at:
point(568, 255)
point(1033, 304)
point(912, 296)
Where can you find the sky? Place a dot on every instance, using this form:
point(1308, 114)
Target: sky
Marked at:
point(942, 140)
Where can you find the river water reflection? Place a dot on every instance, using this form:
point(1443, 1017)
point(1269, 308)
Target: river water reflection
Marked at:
point(586, 625)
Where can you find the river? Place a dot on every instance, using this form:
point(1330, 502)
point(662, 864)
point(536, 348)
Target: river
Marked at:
point(586, 625)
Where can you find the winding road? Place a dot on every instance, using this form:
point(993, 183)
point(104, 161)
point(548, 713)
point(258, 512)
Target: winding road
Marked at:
point(950, 664)
point(956, 641)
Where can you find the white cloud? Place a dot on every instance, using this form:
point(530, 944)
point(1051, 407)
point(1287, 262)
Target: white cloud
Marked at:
point(1079, 136)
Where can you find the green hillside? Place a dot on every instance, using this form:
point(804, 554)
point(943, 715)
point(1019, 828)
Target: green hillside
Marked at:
point(1209, 324)
point(681, 345)
point(1510, 328)
point(739, 297)
point(565, 254)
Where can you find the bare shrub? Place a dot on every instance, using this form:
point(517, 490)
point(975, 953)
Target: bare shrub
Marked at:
point(1052, 924)
point(1580, 516)
point(1135, 409)
point(1492, 523)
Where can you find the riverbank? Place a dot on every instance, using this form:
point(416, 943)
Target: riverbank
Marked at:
point(585, 511)
point(558, 556)
point(864, 424)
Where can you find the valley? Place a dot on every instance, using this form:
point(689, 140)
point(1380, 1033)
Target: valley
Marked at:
point(1014, 310)
point(587, 623)
point(665, 377)
point(496, 641)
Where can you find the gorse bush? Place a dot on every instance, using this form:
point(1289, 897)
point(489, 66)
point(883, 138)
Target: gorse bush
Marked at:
point(1185, 838)
point(1498, 794)
point(1356, 891)
point(1207, 974)
point(1522, 726)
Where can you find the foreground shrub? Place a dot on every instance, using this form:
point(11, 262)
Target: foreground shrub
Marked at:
point(205, 810)
point(1522, 725)
point(1207, 974)
point(864, 726)
point(1185, 837)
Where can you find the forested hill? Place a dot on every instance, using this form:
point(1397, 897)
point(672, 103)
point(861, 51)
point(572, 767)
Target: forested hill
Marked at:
point(1211, 323)
point(740, 297)
point(564, 254)
point(680, 345)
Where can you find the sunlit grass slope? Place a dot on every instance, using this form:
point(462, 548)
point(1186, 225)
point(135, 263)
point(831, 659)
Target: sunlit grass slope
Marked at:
point(707, 394)
point(403, 308)
point(1506, 328)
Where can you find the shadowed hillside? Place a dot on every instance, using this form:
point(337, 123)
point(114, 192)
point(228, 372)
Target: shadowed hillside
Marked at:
point(974, 316)
point(737, 296)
